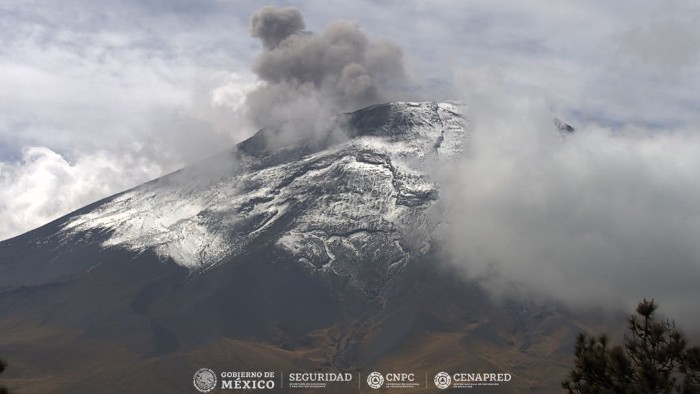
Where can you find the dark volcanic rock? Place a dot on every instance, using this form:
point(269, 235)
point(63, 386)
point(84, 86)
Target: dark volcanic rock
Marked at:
point(262, 258)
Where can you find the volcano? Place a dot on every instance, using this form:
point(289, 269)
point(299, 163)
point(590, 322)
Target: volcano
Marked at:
point(298, 250)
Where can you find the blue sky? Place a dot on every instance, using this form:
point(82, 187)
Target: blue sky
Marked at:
point(99, 96)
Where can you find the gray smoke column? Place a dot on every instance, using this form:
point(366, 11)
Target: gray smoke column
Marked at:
point(272, 25)
point(307, 74)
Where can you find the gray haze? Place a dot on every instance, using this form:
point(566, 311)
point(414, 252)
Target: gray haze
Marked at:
point(308, 74)
point(598, 218)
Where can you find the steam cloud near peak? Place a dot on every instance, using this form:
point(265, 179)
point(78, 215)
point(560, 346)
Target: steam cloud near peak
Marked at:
point(598, 218)
point(305, 74)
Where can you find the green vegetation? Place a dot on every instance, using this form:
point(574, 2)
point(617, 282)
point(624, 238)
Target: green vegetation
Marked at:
point(655, 358)
point(3, 389)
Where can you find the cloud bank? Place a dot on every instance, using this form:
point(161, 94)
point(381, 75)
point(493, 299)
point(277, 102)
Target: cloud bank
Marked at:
point(43, 183)
point(99, 97)
point(596, 218)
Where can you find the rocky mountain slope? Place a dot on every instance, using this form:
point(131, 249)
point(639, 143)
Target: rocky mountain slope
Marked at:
point(307, 247)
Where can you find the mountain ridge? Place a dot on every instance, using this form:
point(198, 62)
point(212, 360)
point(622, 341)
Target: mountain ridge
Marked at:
point(371, 151)
point(326, 263)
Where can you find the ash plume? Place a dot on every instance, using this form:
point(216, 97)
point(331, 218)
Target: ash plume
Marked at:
point(307, 74)
point(272, 25)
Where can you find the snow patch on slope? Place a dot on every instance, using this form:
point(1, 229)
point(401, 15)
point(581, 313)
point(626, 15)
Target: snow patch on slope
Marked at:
point(161, 218)
point(350, 204)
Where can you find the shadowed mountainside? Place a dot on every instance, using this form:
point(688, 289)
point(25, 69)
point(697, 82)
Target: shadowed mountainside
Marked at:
point(308, 256)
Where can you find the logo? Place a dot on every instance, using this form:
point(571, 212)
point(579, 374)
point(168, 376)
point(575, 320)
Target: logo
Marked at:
point(466, 380)
point(204, 380)
point(315, 380)
point(442, 380)
point(393, 380)
point(375, 380)
point(248, 380)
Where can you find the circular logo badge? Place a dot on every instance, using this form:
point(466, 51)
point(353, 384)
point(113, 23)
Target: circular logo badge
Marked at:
point(442, 380)
point(204, 380)
point(375, 380)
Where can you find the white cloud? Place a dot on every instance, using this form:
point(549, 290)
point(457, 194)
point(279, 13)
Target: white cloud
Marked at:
point(115, 149)
point(110, 85)
point(597, 218)
point(44, 185)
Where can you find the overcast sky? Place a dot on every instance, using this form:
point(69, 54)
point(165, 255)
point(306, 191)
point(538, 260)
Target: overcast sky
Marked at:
point(97, 96)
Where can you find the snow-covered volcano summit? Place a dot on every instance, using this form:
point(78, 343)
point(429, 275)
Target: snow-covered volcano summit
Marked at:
point(348, 206)
point(283, 254)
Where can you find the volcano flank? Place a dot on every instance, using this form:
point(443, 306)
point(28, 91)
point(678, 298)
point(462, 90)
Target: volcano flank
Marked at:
point(314, 254)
